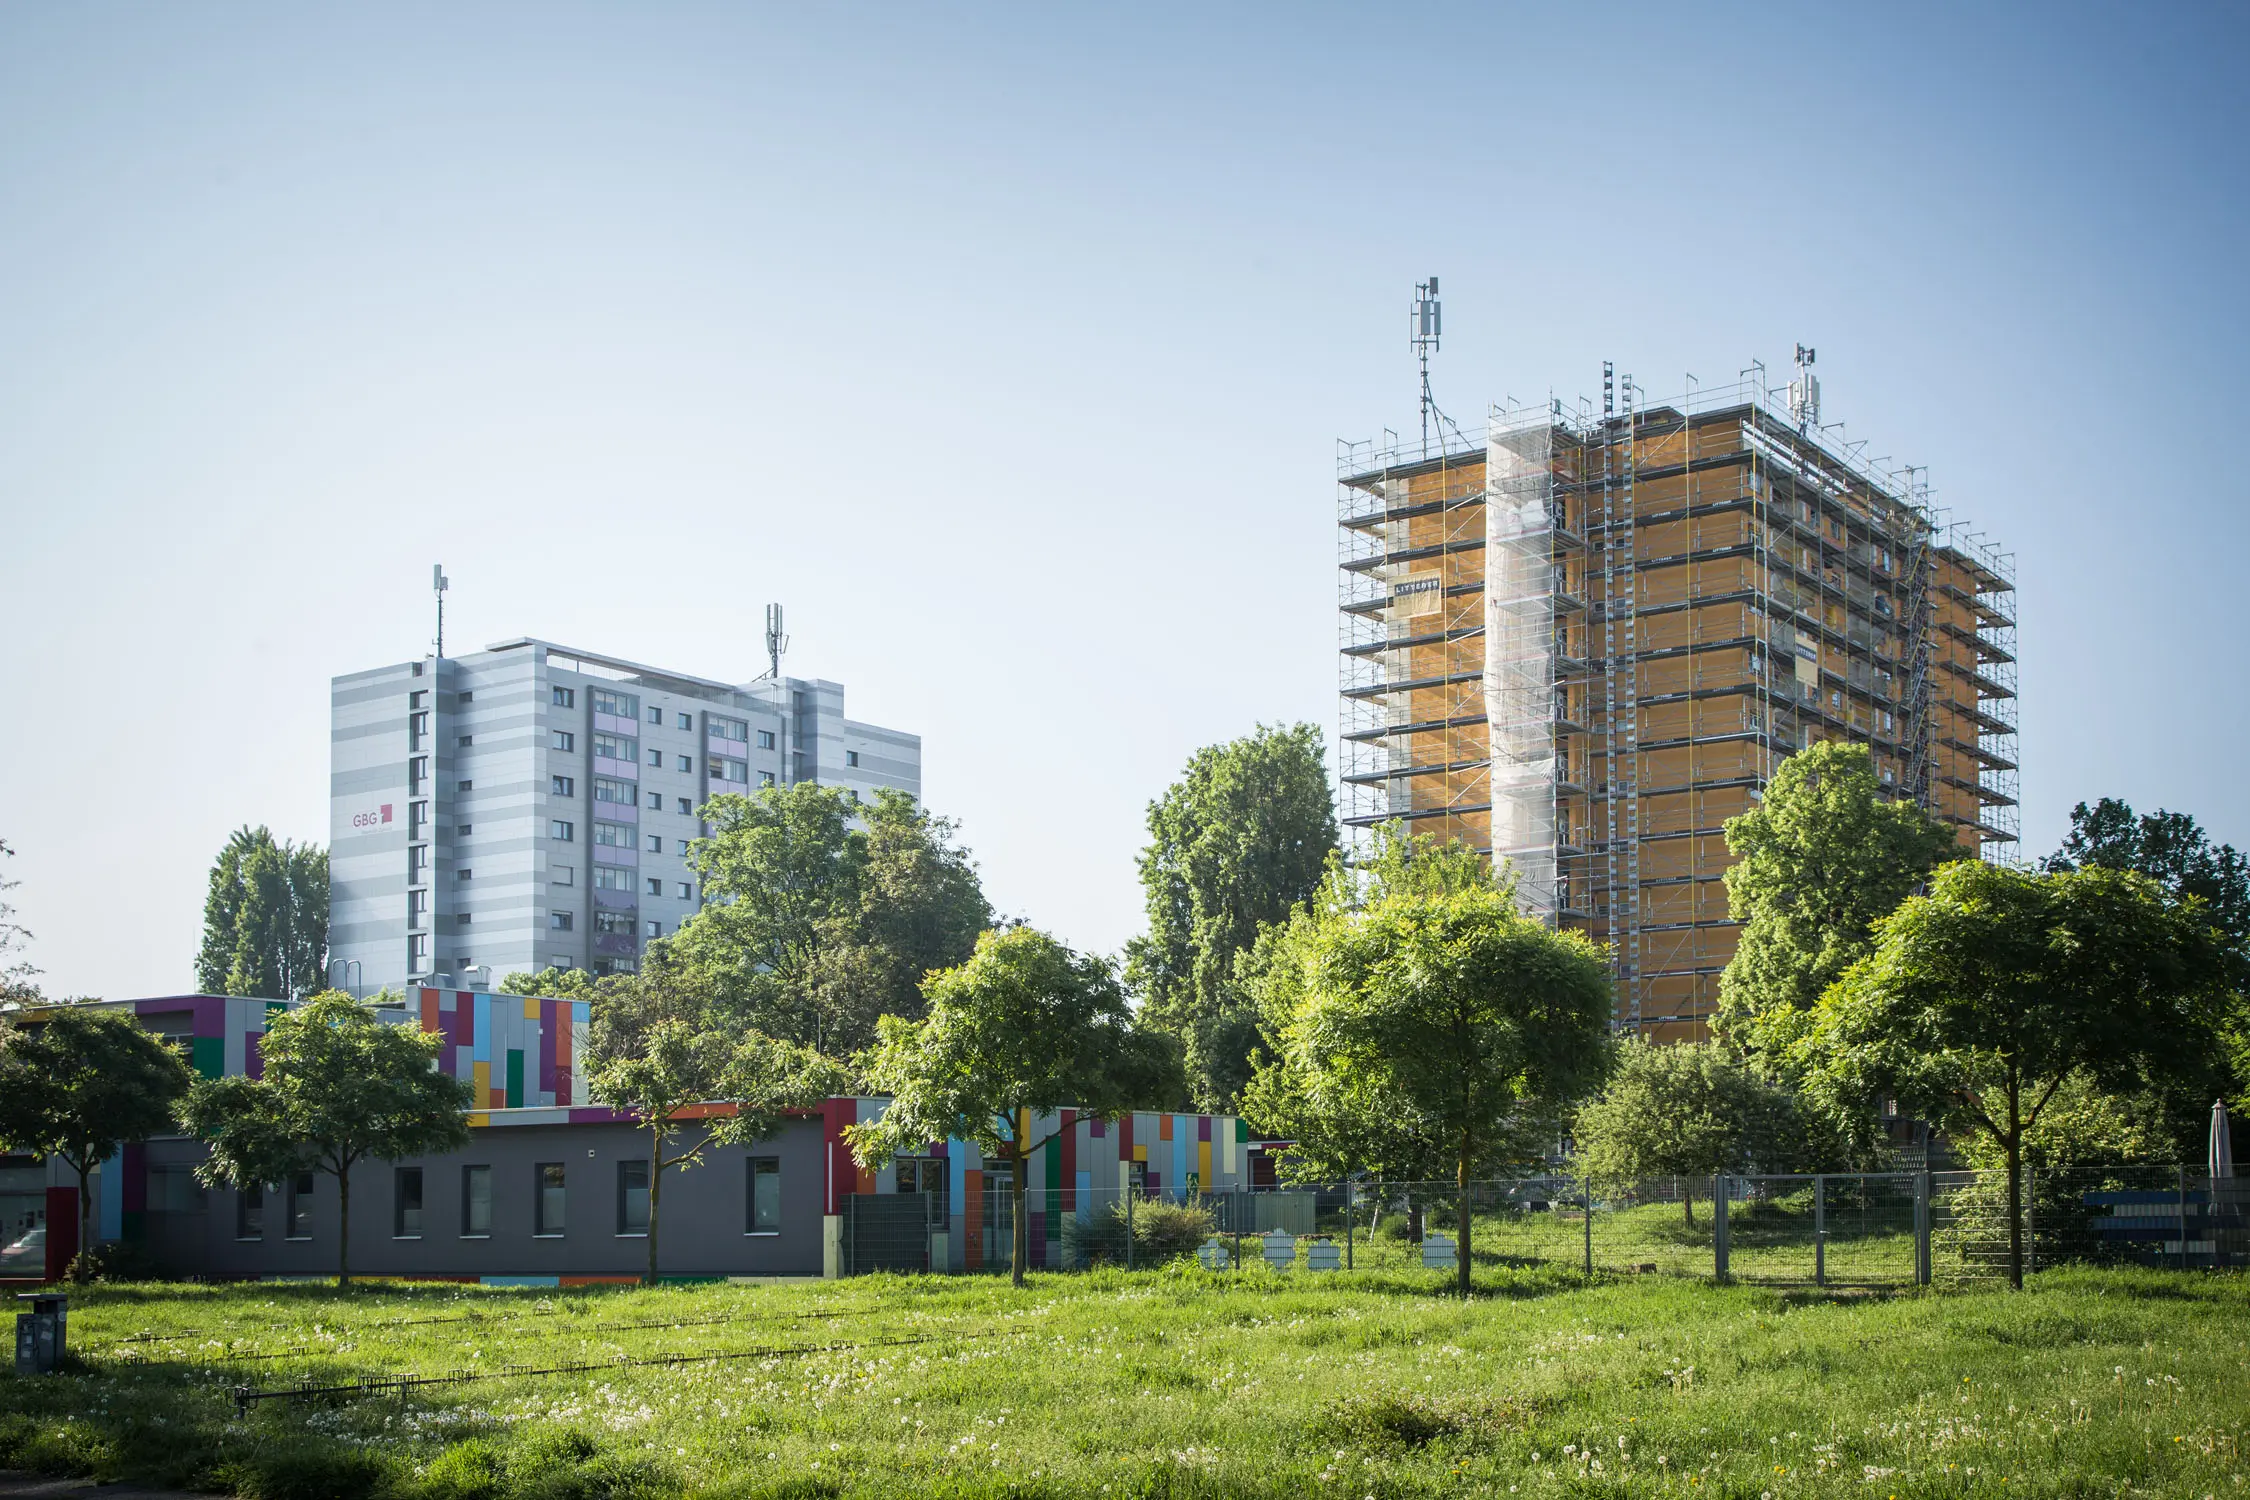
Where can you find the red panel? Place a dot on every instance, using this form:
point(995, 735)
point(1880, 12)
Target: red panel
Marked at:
point(62, 1230)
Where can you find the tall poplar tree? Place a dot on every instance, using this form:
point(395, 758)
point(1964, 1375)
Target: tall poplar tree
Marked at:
point(265, 919)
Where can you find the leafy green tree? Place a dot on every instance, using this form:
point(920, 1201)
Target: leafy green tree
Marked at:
point(674, 1066)
point(1024, 1026)
point(1985, 997)
point(825, 913)
point(340, 1086)
point(2170, 848)
point(1234, 845)
point(550, 982)
point(78, 1084)
point(265, 919)
point(1458, 1005)
point(1681, 1111)
point(1817, 861)
point(18, 979)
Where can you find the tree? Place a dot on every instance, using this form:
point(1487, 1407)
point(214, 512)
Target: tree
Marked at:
point(551, 982)
point(1817, 861)
point(1237, 842)
point(1984, 997)
point(265, 919)
point(1459, 1005)
point(79, 1084)
point(1024, 1026)
point(825, 913)
point(674, 1067)
point(18, 984)
point(2170, 848)
point(1686, 1111)
point(340, 1086)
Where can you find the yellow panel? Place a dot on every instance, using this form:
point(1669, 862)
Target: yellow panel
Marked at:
point(531, 1007)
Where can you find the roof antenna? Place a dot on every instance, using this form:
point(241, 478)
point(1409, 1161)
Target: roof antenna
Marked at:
point(1804, 392)
point(777, 641)
point(437, 586)
point(1428, 325)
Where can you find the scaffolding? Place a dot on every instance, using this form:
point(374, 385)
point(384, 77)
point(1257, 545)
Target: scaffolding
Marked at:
point(1581, 640)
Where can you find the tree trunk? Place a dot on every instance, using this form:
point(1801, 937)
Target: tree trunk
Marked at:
point(344, 1226)
point(655, 1196)
point(85, 1220)
point(1461, 1213)
point(1687, 1203)
point(1021, 1231)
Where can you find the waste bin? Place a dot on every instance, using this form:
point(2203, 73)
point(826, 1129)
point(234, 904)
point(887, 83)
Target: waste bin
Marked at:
point(40, 1333)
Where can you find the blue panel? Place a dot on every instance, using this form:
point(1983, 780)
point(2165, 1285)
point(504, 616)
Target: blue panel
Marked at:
point(1085, 1197)
point(109, 1188)
point(519, 1281)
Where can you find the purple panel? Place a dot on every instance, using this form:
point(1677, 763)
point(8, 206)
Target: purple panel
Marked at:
point(1203, 1127)
point(210, 1016)
point(606, 854)
point(1038, 1238)
point(617, 812)
point(254, 1055)
point(611, 724)
point(547, 1046)
point(616, 770)
point(615, 943)
point(616, 900)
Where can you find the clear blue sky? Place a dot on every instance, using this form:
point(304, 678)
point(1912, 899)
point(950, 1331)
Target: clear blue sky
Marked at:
point(1008, 347)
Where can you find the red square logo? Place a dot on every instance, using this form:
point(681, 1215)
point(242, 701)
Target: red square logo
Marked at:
point(386, 812)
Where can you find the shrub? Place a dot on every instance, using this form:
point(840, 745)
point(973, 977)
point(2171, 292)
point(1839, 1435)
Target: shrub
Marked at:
point(1414, 1420)
point(114, 1260)
point(1161, 1231)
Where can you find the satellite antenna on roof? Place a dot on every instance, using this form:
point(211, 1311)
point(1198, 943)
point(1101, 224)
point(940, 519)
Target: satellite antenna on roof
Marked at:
point(437, 586)
point(777, 641)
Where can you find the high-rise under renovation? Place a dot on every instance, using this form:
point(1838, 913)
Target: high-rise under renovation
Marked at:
point(1583, 643)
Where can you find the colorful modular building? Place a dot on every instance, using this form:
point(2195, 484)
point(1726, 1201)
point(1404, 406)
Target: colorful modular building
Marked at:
point(552, 1189)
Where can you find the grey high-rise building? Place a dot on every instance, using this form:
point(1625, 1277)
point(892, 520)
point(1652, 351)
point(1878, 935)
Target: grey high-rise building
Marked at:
point(529, 805)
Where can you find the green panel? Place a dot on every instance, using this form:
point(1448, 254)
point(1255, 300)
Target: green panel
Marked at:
point(1053, 1152)
point(209, 1056)
point(515, 1079)
point(1241, 1130)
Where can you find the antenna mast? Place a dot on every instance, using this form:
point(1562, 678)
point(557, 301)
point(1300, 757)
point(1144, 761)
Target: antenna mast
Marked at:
point(777, 641)
point(437, 586)
point(1427, 326)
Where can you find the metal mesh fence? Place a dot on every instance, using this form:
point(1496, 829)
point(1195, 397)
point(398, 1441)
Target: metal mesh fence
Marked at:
point(1864, 1229)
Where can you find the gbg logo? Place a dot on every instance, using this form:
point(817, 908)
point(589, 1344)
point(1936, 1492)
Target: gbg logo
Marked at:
point(372, 819)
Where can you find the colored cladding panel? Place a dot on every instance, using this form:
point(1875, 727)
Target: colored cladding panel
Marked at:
point(1163, 1127)
point(515, 1078)
point(109, 1205)
point(209, 1055)
point(254, 1055)
point(531, 1007)
point(972, 1211)
point(1085, 1187)
point(1179, 1156)
point(429, 1010)
point(1125, 1126)
point(547, 1051)
point(1241, 1131)
point(480, 1082)
point(553, 1281)
point(1095, 1128)
point(566, 1027)
point(1064, 1174)
point(1203, 1128)
point(1140, 1153)
point(480, 1030)
point(1203, 1164)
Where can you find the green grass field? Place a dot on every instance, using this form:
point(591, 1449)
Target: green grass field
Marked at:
point(1172, 1383)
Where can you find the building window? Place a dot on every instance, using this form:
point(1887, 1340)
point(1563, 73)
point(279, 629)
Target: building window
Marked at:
point(614, 922)
point(465, 741)
point(300, 1206)
point(464, 875)
point(765, 778)
point(617, 705)
point(656, 758)
point(656, 802)
point(562, 875)
point(464, 786)
point(851, 757)
point(606, 790)
point(728, 729)
point(763, 1214)
point(687, 892)
point(656, 843)
point(687, 807)
point(563, 739)
point(617, 747)
point(655, 886)
point(417, 820)
point(547, 1181)
point(418, 728)
point(476, 1193)
point(924, 1174)
point(765, 739)
point(561, 832)
point(655, 929)
point(611, 878)
point(462, 919)
point(469, 697)
point(464, 830)
point(417, 952)
point(687, 721)
point(565, 697)
point(250, 1212)
point(417, 907)
point(655, 714)
point(684, 762)
point(561, 921)
point(614, 835)
point(406, 1203)
point(632, 1192)
point(417, 772)
point(417, 698)
point(563, 786)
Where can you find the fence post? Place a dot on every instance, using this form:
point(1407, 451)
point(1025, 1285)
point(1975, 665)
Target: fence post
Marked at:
point(1351, 1209)
point(1820, 1229)
point(1921, 1229)
point(1719, 1193)
point(2183, 1218)
point(1588, 1187)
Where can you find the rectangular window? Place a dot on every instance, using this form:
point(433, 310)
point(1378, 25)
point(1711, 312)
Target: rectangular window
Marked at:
point(656, 758)
point(417, 773)
point(565, 697)
point(687, 807)
point(656, 843)
point(728, 729)
point(417, 907)
point(464, 786)
point(851, 757)
point(765, 778)
point(547, 1182)
point(563, 739)
point(611, 878)
point(765, 739)
point(469, 697)
point(464, 875)
point(764, 1197)
point(418, 727)
point(562, 875)
point(632, 1194)
point(655, 714)
point(687, 721)
point(655, 886)
point(250, 1212)
point(614, 835)
point(656, 802)
point(617, 747)
point(655, 929)
point(561, 921)
point(617, 705)
point(417, 952)
point(563, 786)
point(925, 1174)
point(614, 921)
point(417, 820)
point(418, 862)
point(684, 762)
point(687, 892)
point(406, 1203)
point(465, 741)
point(606, 790)
point(463, 830)
point(417, 698)
point(476, 1196)
point(561, 832)
point(300, 1206)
